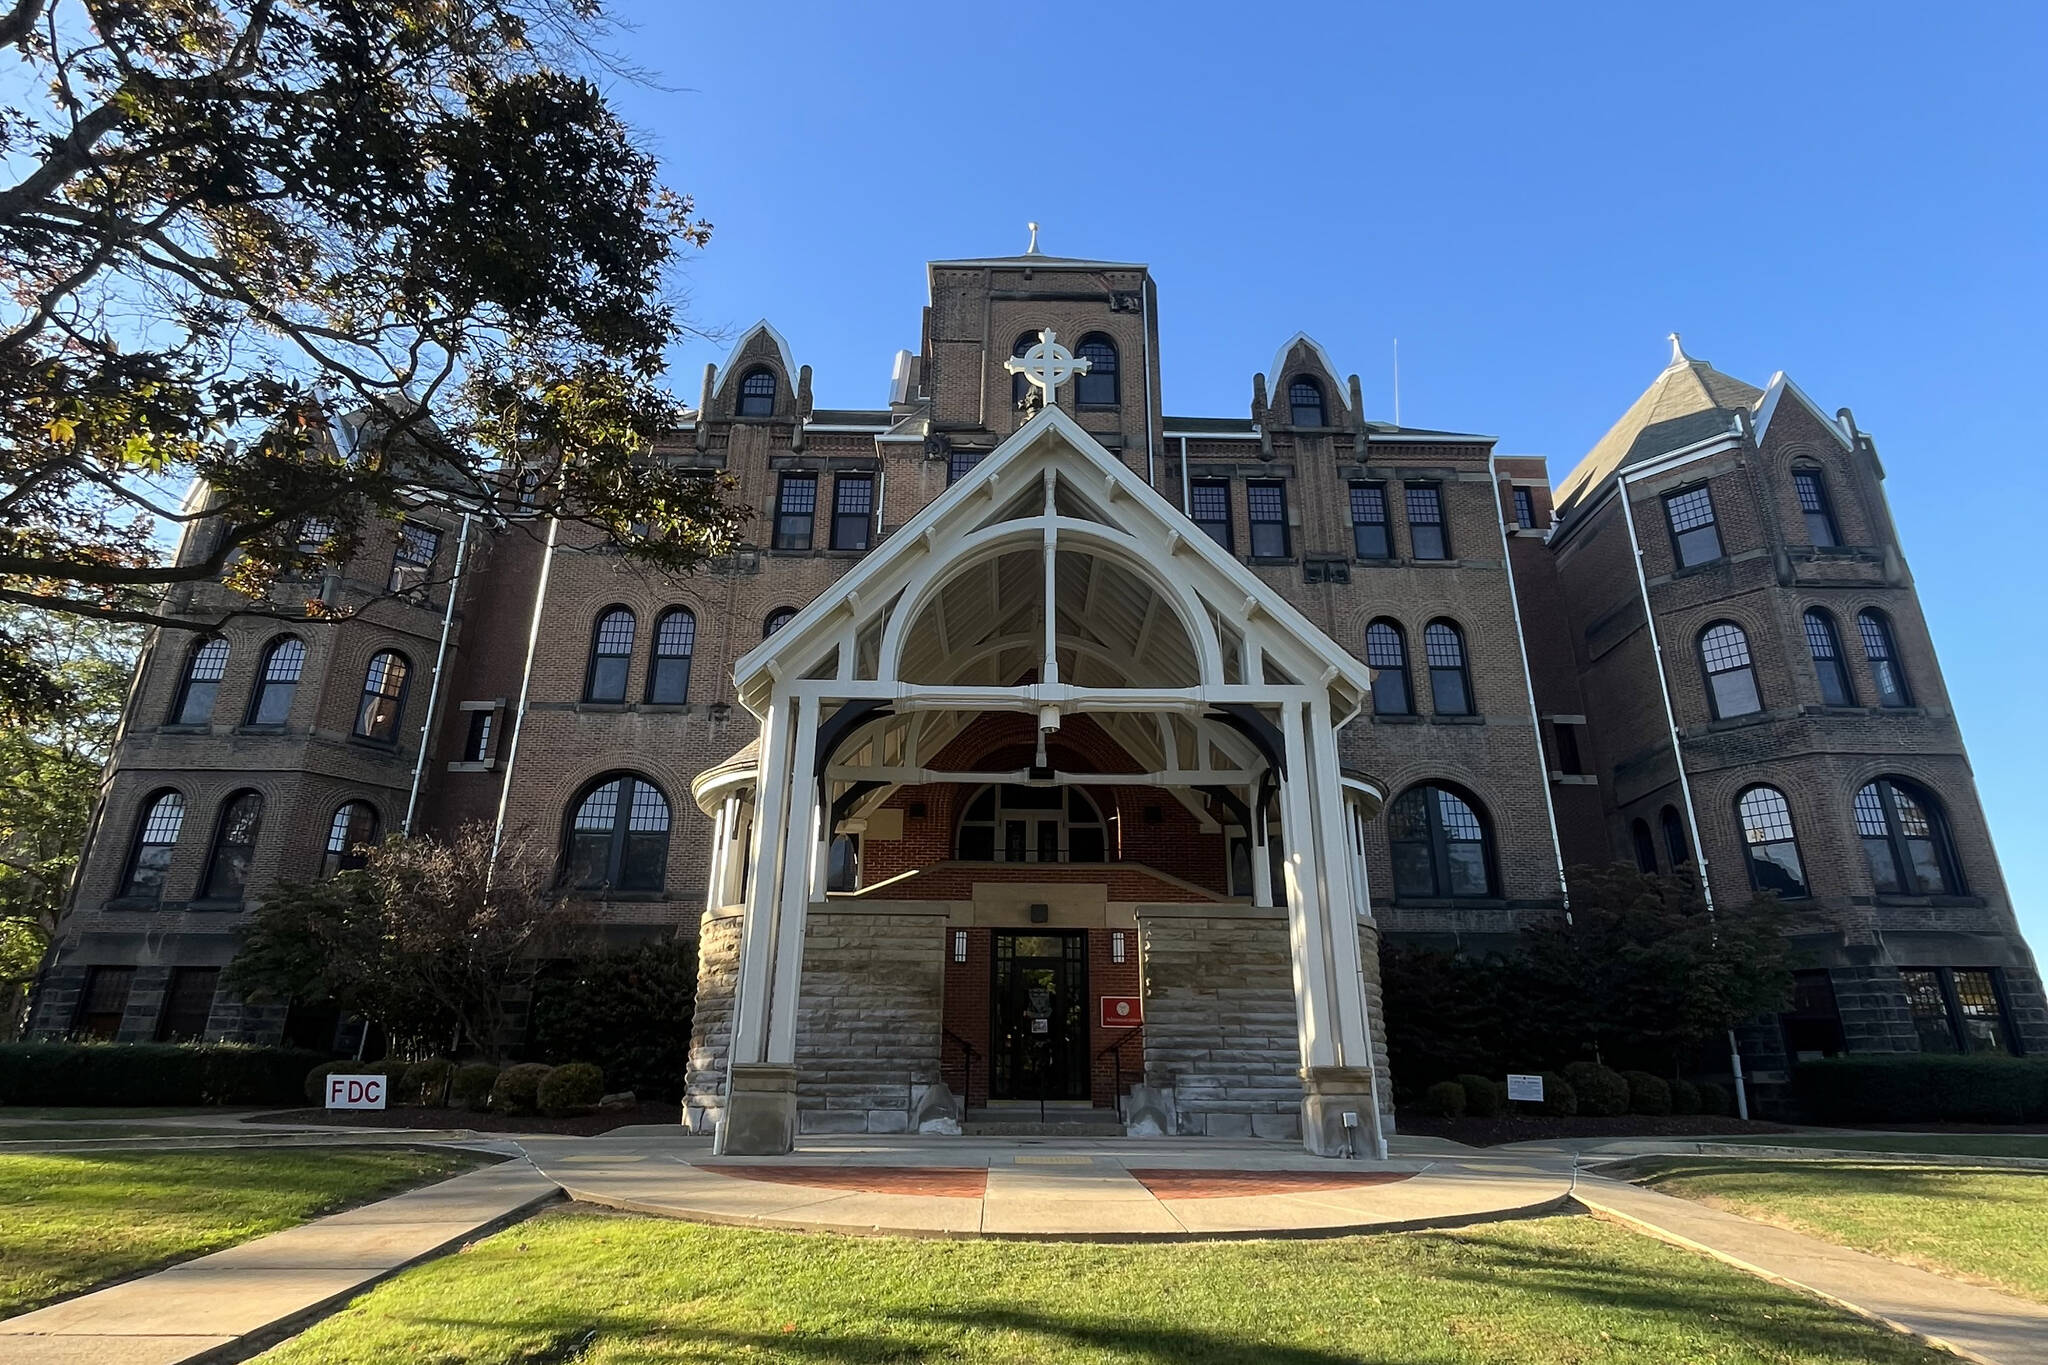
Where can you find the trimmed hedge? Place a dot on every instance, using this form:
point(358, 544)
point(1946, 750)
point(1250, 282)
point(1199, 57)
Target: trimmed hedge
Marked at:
point(1482, 1096)
point(1444, 1100)
point(474, 1082)
point(1685, 1097)
point(1601, 1090)
point(1647, 1094)
point(1922, 1087)
point(1559, 1099)
point(425, 1082)
point(1715, 1099)
point(145, 1074)
point(572, 1088)
point(518, 1088)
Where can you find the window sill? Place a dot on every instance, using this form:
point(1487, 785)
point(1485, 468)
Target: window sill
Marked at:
point(262, 729)
point(129, 904)
point(844, 552)
point(1563, 779)
point(1272, 561)
point(1686, 570)
point(604, 897)
point(1418, 559)
point(667, 708)
point(603, 707)
point(1457, 720)
point(381, 746)
point(1449, 903)
point(175, 729)
point(470, 766)
point(1928, 902)
point(215, 906)
point(1376, 561)
point(788, 552)
point(1396, 718)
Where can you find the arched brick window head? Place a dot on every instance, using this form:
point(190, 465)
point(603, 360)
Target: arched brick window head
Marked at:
point(200, 687)
point(611, 656)
point(156, 837)
point(1305, 402)
point(757, 393)
point(618, 837)
point(1773, 847)
point(1440, 845)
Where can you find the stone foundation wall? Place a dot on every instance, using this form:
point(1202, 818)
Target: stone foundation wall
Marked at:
point(1220, 1026)
point(868, 1020)
point(718, 965)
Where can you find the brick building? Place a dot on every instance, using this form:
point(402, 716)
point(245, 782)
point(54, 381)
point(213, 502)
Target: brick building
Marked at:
point(1044, 752)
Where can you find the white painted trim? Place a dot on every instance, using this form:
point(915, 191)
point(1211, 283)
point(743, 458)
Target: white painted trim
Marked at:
point(1767, 407)
point(789, 371)
point(1278, 374)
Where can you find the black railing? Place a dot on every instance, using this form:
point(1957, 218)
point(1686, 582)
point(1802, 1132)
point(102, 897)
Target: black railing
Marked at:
point(967, 1056)
point(1116, 1051)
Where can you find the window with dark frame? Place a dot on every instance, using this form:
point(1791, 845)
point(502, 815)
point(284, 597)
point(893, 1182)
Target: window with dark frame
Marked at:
point(187, 1005)
point(1021, 387)
point(1731, 678)
point(1450, 683)
point(1305, 402)
point(1813, 1026)
point(1425, 506)
point(1773, 847)
point(1815, 508)
point(618, 837)
point(1266, 504)
point(1882, 654)
point(611, 656)
point(277, 681)
point(1439, 846)
point(383, 700)
point(1369, 539)
point(1958, 1009)
point(102, 1003)
point(853, 511)
point(1209, 509)
point(1905, 840)
point(1676, 847)
point(1645, 847)
point(1695, 535)
point(777, 619)
point(350, 833)
point(1826, 648)
point(476, 741)
point(796, 504)
point(959, 461)
point(1569, 759)
point(675, 641)
point(200, 687)
point(412, 563)
point(156, 836)
point(1098, 387)
point(234, 848)
point(1525, 507)
point(757, 393)
point(842, 863)
point(1386, 652)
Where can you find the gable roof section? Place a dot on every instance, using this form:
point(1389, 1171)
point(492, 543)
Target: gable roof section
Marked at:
point(1689, 402)
point(1780, 386)
point(739, 349)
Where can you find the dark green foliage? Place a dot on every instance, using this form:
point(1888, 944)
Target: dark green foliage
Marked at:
point(1444, 1100)
point(629, 1012)
point(316, 1079)
point(1647, 1094)
point(425, 1082)
point(143, 1074)
point(572, 1088)
point(1685, 1098)
point(1482, 1096)
point(1559, 1099)
point(1922, 1087)
point(474, 1082)
point(1601, 1090)
point(1715, 1099)
point(518, 1088)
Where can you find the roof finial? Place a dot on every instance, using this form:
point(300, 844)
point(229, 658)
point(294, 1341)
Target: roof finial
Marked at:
point(1032, 250)
point(1678, 355)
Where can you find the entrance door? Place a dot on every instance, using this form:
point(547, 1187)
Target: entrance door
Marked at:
point(1040, 1025)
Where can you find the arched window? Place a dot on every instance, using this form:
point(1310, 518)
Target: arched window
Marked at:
point(156, 835)
point(618, 837)
point(1731, 680)
point(1097, 388)
point(842, 863)
point(1439, 845)
point(1387, 651)
point(1774, 863)
point(611, 655)
point(277, 681)
point(234, 848)
point(1018, 824)
point(675, 640)
point(777, 619)
point(349, 836)
point(1021, 388)
point(1305, 399)
point(1883, 654)
point(383, 697)
point(1812, 489)
point(1645, 847)
point(204, 668)
point(757, 393)
point(1450, 685)
point(1676, 848)
point(1826, 648)
point(1906, 840)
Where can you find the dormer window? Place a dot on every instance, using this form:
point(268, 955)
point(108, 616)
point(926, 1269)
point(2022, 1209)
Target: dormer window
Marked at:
point(1305, 397)
point(757, 393)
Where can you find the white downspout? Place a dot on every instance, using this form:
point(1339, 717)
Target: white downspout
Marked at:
point(540, 597)
point(419, 767)
point(1529, 685)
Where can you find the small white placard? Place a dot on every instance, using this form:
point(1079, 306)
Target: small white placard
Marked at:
point(1526, 1088)
point(355, 1092)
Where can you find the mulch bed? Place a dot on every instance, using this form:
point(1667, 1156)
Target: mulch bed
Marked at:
point(1536, 1128)
point(419, 1116)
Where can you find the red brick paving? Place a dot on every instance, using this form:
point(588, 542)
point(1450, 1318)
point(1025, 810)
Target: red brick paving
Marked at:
point(953, 1182)
point(1181, 1184)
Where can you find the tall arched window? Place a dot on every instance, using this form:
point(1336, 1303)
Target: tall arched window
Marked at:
point(1387, 651)
point(668, 673)
point(1826, 648)
point(156, 836)
point(1439, 844)
point(204, 668)
point(277, 681)
point(1645, 847)
point(1676, 848)
point(611, 655)
point(1021, 388)
point(1018, 824)
point(777, 619)
point(1906, 840)
point(349, 836)
point(1731, 680)
point(1098, 387)
point(618, 836)
point(757, 393)
point(1812, 489)
point(1450, 684)
point(383, 697)
point(1305, 401)
point(234, 848)
point(1774, 863)
point(1883, 653)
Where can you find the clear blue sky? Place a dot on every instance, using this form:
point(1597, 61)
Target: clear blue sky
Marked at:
point(1528, 196)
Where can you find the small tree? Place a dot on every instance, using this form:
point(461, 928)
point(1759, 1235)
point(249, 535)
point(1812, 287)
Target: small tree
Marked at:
point(430, 938)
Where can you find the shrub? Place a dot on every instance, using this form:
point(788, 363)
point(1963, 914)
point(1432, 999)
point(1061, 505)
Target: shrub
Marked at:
point(1444, 1100)
point(518, 1088)
point(1921, 1087)
point(572, 1088)
point(1559, 1099)
point(1714, 1099)
point(144, 1074)
point(628, 1012)
point(474, 1082)
point(1482, 1100)
point(425, 1082)
point(1601, 1090)
point(1647, 1094)
point(1685, 1097)
point(316, 1079)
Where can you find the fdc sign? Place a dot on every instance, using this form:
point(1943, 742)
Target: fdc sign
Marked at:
point(355, 1092)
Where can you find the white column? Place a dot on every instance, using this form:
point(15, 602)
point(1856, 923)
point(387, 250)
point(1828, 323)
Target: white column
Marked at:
point(1307, 930)
point(731, 872)
point(757, 931)
point(1335, 859)
point(799, 851)
point(721, 841)
point(1262, 866)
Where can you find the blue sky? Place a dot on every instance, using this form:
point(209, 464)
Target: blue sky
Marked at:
point(1528, 196)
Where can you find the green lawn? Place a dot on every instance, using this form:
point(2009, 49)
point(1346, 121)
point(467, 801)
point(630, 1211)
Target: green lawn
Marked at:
point(1953, 1144)
point(70, 1222)
point(100, 1132)
point(604, 1289)
point(1987, 1225)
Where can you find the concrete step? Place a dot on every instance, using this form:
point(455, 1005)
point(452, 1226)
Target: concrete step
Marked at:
point(1059, 1121)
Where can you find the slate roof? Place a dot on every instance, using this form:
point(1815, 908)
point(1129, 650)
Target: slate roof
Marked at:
point(1690, 401)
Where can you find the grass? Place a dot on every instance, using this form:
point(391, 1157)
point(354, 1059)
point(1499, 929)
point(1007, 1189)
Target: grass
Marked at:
point(1952, 1144)
point(604, 1289)
point(1985, 1225)
point(92, 1132)
point(69, 1222)
point(17, 1113)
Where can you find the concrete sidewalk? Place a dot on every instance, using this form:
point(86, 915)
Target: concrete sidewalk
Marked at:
point(1976, 1323)
point(269, 1285)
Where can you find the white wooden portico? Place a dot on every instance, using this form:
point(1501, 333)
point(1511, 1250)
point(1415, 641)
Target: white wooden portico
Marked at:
point(1050, 580)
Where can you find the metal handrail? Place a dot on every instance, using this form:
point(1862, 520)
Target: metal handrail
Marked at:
point(1117, 1047)
point(968, 1054)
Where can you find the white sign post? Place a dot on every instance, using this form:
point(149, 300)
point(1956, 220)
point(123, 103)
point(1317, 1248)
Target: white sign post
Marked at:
point(355, 1092)
point(1528, 1088)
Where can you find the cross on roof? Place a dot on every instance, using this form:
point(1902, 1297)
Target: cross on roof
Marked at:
point(1047, 364)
